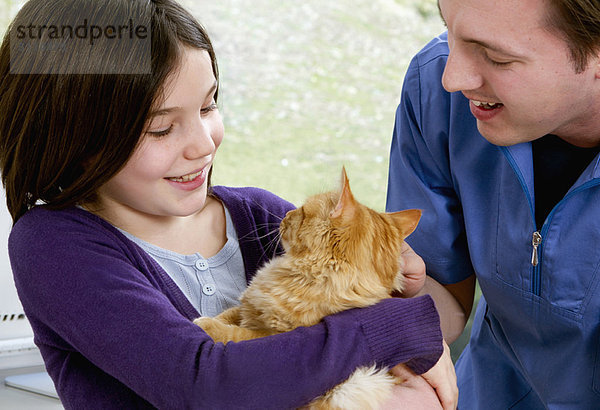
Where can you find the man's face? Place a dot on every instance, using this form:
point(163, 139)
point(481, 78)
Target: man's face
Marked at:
point(503, 53)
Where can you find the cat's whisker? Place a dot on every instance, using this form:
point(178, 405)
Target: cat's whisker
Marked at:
point(275, 244)
point(255, 232)
point(268, 211)
point(266, 230)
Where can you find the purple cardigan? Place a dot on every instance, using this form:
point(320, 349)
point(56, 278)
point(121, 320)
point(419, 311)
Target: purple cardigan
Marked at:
point(116, 332)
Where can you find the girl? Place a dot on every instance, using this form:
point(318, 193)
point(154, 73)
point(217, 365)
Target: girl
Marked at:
point(119, 241)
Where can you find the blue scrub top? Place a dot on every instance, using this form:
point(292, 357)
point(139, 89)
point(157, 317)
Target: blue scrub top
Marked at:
point(535, 341)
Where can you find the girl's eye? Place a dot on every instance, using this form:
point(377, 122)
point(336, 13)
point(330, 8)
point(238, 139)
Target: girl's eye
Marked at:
point(161, 133)
point(213, 106)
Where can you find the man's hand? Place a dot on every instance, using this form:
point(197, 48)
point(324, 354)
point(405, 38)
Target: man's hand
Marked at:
point(453, 301)
point(413, 270)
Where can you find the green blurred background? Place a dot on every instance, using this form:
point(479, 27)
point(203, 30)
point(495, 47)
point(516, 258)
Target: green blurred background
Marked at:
point(308, 86)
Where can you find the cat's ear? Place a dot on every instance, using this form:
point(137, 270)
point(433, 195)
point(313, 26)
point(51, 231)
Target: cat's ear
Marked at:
point(346, 204)
point(406, 221)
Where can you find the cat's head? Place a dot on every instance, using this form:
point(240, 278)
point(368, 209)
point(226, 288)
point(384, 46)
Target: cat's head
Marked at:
point(334, 233)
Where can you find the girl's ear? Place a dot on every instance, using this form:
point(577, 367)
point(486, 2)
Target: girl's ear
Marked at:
point(346, 204)
point(90, 162)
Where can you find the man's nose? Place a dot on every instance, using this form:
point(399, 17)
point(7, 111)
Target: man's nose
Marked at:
point(462, 73)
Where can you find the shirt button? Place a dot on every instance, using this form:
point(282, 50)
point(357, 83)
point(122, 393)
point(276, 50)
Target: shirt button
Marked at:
point(201, 264)
point(209, 289)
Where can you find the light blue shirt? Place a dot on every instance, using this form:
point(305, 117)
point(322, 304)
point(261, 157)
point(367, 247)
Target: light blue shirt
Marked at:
point(210, 284)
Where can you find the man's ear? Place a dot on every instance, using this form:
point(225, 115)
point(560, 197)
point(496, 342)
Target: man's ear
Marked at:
point(596, 63)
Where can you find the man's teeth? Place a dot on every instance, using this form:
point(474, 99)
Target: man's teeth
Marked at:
point(486, 105)
point(185, 178)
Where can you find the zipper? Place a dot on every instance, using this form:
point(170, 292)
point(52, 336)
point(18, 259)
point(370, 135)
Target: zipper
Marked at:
point(538, 235)
point(537, 239)
point(535, 261)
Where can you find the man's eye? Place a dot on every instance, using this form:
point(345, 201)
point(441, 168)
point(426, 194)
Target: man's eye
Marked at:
point(496, 62)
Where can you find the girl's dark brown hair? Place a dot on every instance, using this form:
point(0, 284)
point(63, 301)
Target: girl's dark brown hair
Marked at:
point(70, 123)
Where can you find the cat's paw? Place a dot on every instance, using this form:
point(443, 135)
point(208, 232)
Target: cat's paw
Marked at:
point(231, 316)
point(214, 328)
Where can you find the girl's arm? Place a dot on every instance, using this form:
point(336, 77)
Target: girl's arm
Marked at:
point(105, 330)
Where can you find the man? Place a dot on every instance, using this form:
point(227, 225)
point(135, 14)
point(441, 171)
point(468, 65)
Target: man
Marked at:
point(496, 139)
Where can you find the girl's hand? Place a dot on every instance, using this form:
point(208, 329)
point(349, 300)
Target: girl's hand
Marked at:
point(414, 393)
point(413, 270)
point(442, 378)
point(435, 389)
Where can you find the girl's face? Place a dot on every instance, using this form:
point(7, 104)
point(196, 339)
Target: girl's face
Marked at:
point(167, 173)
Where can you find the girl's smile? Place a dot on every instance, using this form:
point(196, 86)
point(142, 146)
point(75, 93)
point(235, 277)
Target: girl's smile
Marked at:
point(166, 177)
point(191, 181)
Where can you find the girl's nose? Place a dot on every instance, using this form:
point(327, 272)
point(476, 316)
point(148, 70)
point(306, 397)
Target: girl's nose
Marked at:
point(200, 141)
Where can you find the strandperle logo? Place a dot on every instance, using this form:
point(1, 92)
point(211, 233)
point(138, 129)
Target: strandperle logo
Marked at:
point(85, 30)
point(82, 45)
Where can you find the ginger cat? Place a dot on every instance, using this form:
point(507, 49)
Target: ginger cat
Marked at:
point(339, 254)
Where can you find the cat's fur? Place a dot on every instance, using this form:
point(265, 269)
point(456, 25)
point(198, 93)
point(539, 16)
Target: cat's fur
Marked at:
point(339, 254)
